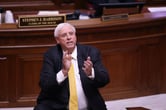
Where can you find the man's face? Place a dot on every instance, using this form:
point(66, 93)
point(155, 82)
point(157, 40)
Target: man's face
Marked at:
point(67, 39)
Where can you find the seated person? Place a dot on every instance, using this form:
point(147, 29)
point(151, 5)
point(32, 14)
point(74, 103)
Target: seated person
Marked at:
point(93, 4)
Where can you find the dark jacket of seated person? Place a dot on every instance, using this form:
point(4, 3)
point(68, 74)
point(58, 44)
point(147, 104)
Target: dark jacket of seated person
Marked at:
point(109, 1)
point(94, 3)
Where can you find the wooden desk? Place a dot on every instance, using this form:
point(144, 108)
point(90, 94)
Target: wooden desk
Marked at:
point(133, 51)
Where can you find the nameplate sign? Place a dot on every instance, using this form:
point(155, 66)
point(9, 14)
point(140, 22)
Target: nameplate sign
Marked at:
point(40, 20)
point(114, 17)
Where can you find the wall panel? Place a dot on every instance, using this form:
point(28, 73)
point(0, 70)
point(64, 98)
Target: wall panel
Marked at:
point(4, 91)
point(28, 75)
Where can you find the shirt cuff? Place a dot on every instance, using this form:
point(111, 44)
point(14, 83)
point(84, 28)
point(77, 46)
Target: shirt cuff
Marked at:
point(92, 76)
point(60, 77)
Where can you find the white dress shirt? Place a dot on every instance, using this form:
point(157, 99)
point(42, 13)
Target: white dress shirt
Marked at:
point(82, 101)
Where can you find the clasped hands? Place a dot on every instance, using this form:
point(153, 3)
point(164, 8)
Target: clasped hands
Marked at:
point(66, 61)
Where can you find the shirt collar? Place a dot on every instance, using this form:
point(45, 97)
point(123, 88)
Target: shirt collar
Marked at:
point(74, 53)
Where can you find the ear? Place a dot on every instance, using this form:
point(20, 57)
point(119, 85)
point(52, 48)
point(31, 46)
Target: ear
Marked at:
point(57, 40)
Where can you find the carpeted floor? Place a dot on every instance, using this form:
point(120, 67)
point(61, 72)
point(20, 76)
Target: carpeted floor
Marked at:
point(153, 102)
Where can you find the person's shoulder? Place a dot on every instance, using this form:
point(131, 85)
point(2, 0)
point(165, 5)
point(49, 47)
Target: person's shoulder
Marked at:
point(53, 49)
point(50, 49)
point(87, 47)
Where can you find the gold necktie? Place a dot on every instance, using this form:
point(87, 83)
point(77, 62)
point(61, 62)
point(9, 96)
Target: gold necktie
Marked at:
point(73, 101)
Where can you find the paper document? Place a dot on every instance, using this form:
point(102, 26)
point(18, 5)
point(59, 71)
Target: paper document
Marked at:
point(48, 12)
point(157, 9)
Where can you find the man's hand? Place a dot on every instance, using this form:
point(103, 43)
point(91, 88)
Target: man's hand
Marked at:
point(66, 63)
point(88, 66)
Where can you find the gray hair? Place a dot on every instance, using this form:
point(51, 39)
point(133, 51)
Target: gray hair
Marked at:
point(60, 26)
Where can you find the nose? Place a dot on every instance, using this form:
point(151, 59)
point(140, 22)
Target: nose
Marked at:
point(68, 36)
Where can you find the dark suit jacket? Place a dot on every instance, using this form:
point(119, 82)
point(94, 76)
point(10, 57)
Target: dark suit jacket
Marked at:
point(57, 96)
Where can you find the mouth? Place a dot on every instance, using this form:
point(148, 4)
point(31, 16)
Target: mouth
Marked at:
point(69, 43)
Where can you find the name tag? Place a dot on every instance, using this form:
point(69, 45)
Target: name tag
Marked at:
point(40, 20)
point(114, 17)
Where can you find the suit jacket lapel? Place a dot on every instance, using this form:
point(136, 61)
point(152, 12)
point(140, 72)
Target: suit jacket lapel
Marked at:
point(81, 56)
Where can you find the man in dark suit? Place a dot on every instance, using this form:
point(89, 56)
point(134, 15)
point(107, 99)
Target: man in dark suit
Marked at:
point(90, 73)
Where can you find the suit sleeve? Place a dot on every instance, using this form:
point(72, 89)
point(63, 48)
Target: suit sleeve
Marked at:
point(48, 73)
point(101, 73)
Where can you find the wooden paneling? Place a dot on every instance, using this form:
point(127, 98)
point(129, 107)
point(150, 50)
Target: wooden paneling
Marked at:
point(29, 5)
point(4, 78)
point(133, 67)
point(163, 64)
point(28, 75)
point(132, 50)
